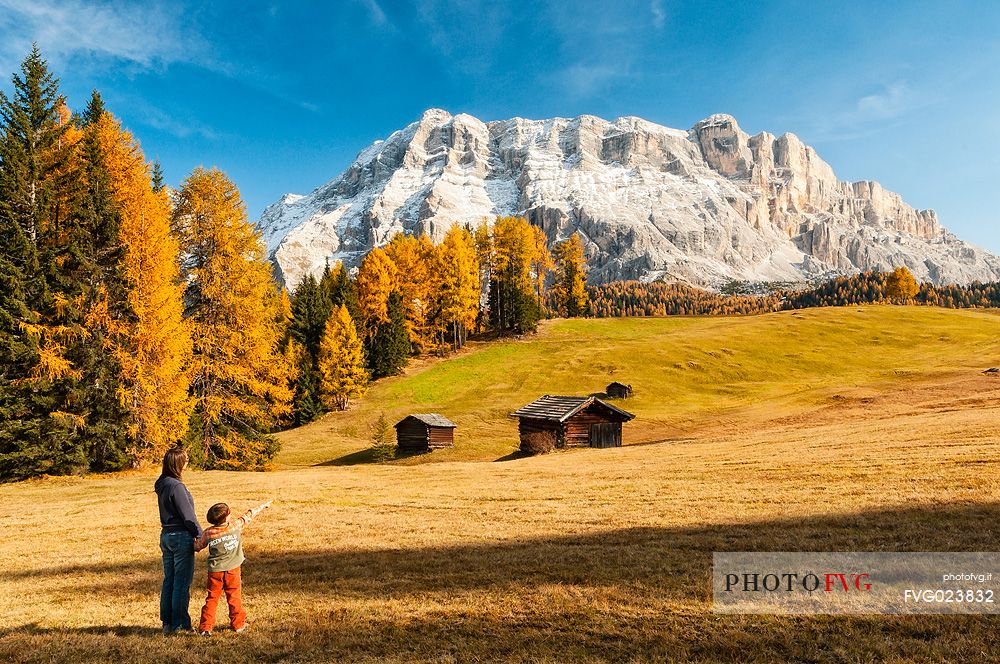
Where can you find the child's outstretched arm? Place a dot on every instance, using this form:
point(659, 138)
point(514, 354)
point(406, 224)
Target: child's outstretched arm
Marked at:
point(251, 514)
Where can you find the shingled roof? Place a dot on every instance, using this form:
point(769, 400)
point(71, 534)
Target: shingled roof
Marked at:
point(560, 409)
point(430, 419)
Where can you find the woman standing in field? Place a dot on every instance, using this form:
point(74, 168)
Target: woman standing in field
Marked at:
point(180, 529)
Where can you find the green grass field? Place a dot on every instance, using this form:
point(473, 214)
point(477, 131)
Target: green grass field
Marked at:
point(828, 429)
point(687, 372)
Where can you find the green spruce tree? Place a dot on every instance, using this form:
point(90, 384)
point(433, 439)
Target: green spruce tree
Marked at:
point(337, 284)
point(158, 183)
point(310, 310)
point(307, 404)
point(26, 448)
point(389, 347)
point(95, 108)
point(383, 440)
point(39, 432)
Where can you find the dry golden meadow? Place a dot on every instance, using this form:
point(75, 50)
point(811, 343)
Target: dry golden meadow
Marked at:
point(833, 429)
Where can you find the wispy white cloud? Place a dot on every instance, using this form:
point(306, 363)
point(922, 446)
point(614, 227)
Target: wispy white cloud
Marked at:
point(467, 32)
point(158, 119)
point(173, 123)
point(659, 13)
point(147, 34)
point(375, 11)
point(888, 103)
point(601, 44)
point(867, 115)
point(584, 80)
point(578, 49)
point(110, 34)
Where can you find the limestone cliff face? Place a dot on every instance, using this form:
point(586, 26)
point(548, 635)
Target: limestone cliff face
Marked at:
point(703, 206)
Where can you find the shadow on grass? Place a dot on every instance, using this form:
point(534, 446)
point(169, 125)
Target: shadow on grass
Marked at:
point(369, 456)
point(97, 630)
point(662, 441)
point(516, 454)
point(353, 459)
point(624, 594)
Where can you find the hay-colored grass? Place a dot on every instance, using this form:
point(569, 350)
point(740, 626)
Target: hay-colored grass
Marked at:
point(832, 429)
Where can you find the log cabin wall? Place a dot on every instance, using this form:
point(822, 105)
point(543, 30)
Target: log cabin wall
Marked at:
point(412, 435)
point(438, 437)
point(577, 428)
point(528, 425)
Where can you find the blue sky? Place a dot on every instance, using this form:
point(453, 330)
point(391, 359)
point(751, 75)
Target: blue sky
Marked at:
point(282, 95)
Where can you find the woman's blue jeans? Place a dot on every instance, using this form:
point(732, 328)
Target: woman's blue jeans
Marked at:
point(178, 571)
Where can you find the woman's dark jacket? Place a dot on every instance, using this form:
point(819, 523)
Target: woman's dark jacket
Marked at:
point(176, 506)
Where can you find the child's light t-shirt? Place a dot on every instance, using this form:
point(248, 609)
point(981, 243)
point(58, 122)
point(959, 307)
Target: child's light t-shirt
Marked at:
point(225, 543)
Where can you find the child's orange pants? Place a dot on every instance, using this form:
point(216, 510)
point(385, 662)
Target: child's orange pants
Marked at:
point(232, 584)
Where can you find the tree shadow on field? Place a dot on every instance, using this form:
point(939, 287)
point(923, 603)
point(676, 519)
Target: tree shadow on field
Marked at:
point(97, 630)
point(623, 594)
point(367, 456)
point(513, 456)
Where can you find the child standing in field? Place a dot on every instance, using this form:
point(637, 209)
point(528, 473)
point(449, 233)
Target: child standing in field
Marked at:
point(224, 540)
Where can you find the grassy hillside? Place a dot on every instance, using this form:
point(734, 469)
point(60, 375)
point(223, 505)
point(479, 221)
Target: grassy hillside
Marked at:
point(687, 373)
point(824, 430)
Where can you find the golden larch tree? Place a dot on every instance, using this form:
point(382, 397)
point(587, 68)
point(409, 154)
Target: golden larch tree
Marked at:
point(52, 203)
point(413, 258)
point(901, 285)
point(517, 251)
point(376, 280)
point(459, 290)
point(284, 310)
point(151, 341)
point(341, 361)
point(240, 378)
point(57, 331)
point(571, 277)
point(542, 263)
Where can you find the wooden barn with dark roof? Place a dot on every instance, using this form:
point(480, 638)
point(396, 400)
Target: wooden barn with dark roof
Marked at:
point(575, 421)
point(423, 432)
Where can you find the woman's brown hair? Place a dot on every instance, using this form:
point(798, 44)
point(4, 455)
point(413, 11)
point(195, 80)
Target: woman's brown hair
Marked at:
point(173, 462)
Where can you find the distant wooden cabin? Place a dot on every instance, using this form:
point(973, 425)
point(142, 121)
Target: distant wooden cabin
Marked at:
point(424, 432)
point(618, 390)
point(575, 421)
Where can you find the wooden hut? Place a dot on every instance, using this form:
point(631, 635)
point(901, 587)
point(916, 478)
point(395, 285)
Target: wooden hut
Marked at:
point(575, 421)
point(618, 390)
point(424, 432)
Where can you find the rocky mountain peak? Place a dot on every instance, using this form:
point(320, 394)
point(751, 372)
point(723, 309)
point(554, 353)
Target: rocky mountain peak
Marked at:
point(724, 145)
point(703, 206)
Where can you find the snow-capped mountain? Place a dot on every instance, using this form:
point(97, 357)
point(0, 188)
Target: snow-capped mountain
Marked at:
point(703, 206)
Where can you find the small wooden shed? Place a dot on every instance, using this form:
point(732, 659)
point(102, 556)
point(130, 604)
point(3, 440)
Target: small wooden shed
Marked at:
point(575, 421)
point(423, 432)
point(618, 390)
